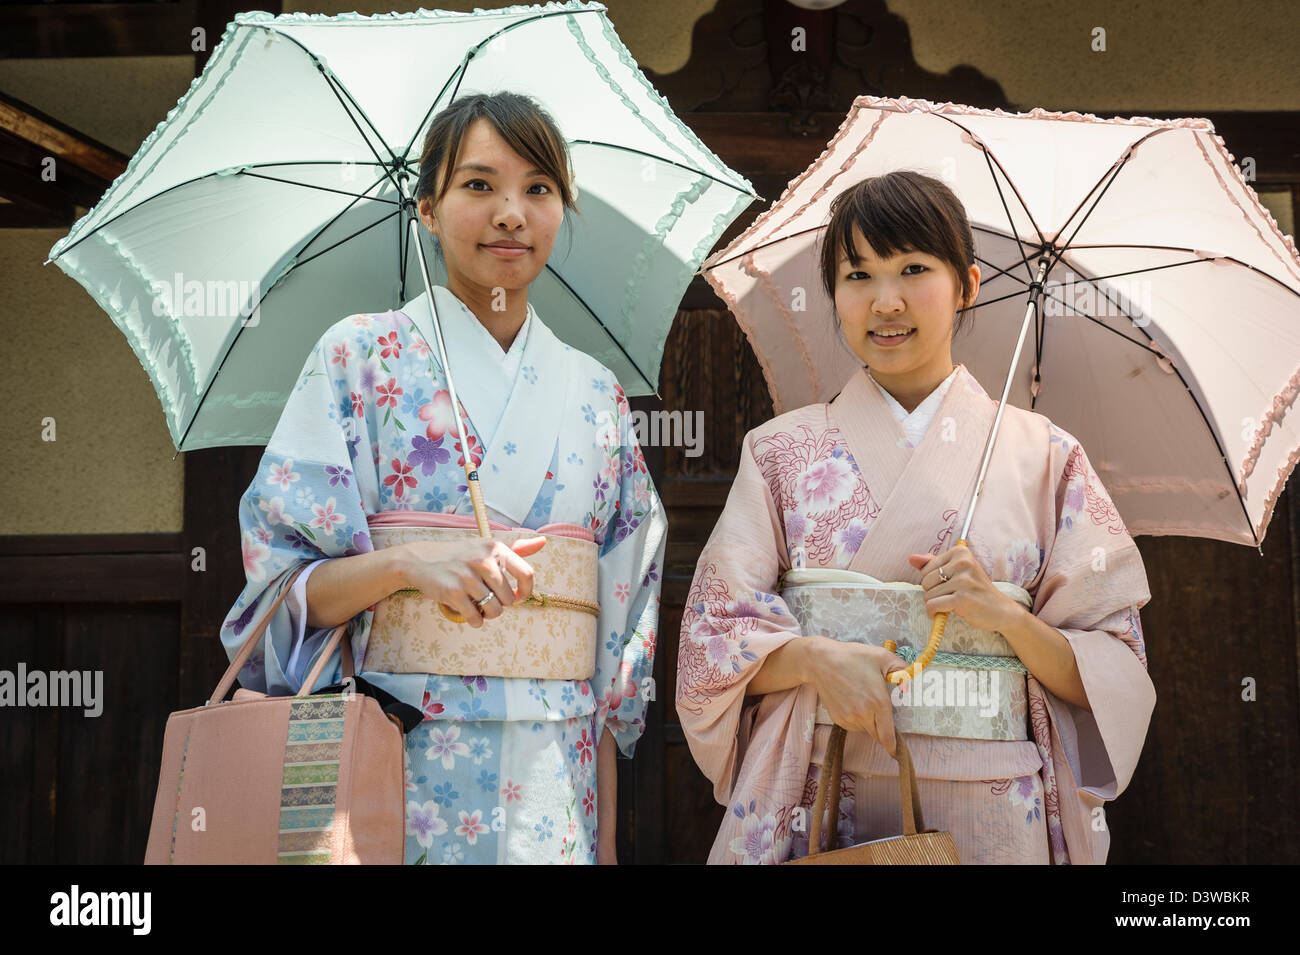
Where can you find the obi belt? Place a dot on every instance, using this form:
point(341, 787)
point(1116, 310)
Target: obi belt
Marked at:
point(550, 637)
point(975, 688)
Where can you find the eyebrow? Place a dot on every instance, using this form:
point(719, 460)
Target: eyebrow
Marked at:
point(845, 258)
point(479, 167)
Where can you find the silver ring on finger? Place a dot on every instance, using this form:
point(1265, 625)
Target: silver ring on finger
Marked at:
point(942, 576)
point(480, 604)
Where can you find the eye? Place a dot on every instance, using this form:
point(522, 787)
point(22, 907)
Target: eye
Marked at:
point(916, 265)
point(857, 274)
point(540, 185)
point(472, 182)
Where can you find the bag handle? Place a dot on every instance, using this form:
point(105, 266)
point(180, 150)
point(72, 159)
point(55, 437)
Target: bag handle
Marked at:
point(828, 785)
point(240, 658)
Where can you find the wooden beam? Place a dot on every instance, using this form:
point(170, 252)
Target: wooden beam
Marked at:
point(27, 124)
point(94, 568)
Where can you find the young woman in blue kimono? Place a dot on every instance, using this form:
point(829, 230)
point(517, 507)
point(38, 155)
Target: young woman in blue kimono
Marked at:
point(501, 770)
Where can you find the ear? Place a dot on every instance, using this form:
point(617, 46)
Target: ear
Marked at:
point(974, 273)
point(427, 215)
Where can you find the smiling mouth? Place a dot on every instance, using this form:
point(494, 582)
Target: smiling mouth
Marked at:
point(507, 251)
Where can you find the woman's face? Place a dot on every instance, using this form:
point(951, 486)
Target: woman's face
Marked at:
point(910, 290)
point(498, 220)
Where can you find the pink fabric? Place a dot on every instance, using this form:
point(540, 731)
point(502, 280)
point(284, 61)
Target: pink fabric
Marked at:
point(438, 519)
point(829, 485)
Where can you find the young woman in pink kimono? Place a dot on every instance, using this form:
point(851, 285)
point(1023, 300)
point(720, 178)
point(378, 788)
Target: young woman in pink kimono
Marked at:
point(876, 482)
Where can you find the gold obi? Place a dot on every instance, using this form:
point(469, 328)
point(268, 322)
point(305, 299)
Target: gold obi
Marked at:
point(975, 688)
point(544, 641)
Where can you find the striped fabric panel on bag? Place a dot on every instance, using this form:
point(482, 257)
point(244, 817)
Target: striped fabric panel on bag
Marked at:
point(310, 782)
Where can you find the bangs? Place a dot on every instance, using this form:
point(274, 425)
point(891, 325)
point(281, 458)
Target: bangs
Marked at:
point(891, 227)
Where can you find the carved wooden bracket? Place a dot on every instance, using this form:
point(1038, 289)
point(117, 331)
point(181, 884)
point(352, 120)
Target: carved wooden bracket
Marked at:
point(750, 56)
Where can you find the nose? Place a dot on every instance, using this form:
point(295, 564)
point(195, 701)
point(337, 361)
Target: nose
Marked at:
point(510, 215)
point(888, 300)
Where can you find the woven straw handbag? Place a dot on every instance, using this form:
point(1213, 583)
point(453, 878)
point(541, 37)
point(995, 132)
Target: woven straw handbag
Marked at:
point(316, 778)
point(916, 846)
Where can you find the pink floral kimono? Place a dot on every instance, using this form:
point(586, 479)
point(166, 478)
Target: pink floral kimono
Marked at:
point(838, 486)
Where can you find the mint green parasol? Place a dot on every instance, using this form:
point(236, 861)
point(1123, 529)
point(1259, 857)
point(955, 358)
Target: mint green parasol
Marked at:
point(274, 200)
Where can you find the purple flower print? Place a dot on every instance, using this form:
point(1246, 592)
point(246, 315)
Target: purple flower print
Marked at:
point(423, 822)
point(242, 621)
point(360, 545)
point(475, 683)
point(428, 454)
point(852, 536)
point(757, 840)
point(369, 374)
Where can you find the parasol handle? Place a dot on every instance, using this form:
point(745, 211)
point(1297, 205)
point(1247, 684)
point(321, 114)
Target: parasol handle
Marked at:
point(471, 473)
point(931, 647)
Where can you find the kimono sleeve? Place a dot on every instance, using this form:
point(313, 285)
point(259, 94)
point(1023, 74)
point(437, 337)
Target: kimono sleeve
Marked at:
point(1092, 588)
point(302, 507)
point(732, 620)
point(630, 577)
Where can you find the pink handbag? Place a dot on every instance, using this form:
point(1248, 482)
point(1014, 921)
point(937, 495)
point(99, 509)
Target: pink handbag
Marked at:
point(306, 779)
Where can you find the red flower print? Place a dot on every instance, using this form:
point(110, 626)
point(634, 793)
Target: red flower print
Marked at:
point(388, 393)
point(437, 415)
point(584, 748)
point(388, 346)
point(589, 802)
point(341, 354)
point(621, 591)
point(358, 404)
point(609, 702)
point(430, 708)
point(513, 792)
point(471, 825)
point(475, 451)
point(401, 477)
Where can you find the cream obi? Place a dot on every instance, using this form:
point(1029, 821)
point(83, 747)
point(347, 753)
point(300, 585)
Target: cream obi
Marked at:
point(551, 641)
point(975, 687)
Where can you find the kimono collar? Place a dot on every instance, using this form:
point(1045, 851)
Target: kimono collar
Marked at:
point(918, 419)
point(935, 478)
point(514, 400)
point(484, 373)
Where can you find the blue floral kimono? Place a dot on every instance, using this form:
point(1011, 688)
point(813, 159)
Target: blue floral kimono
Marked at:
point(500, 770)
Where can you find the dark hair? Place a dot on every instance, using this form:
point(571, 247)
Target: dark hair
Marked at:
point(519, 120)
point(900, 211)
